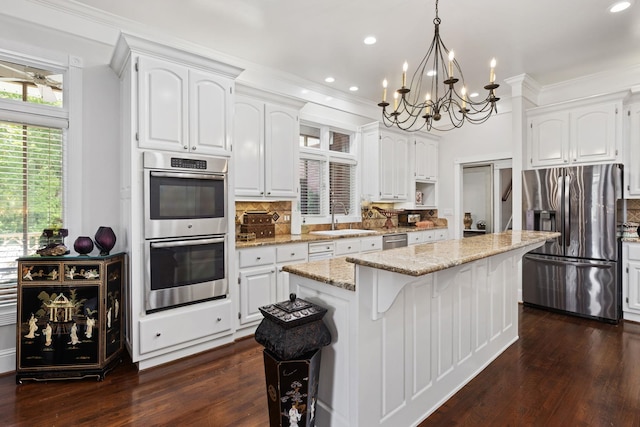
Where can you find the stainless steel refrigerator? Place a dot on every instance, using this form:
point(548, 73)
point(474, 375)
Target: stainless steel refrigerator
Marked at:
point(579, 272)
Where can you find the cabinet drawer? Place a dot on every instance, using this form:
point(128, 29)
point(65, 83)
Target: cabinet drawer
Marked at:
point(442, 234)
point(347, 246)
point(415, 237)
point(429, 236)
point(254, 257)
point(634, 251)
point(370, 244)
point(167, 329)
point(287, 253)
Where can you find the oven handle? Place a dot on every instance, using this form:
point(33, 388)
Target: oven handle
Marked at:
point(186, 243)
point(217, 177)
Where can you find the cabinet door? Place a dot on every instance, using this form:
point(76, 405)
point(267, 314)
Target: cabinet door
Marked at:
point(162, 104)
point(400, 170)
point(209, 112)
point(632, 159)
point(549, 139)
point(593, 133)
point(634, 286)
point(387, 146)
point(282, 133)
point(426, 159)
point(248, 141)
point(257, 289)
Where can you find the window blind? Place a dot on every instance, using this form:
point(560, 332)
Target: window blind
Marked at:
point(311, 200)
point(31, 194)
point(342, 186)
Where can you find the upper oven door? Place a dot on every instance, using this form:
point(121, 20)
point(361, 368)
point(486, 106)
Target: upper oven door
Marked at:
point(180, 204)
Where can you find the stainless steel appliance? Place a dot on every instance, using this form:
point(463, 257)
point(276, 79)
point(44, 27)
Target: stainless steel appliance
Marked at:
point(184, 270)
point(578, 272)
point(184, 196)
point(391, 241)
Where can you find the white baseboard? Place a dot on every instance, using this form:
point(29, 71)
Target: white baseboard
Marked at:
point(7, 360)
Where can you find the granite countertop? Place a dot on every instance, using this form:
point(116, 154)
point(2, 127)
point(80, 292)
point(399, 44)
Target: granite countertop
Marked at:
point(308, 237)
point(418, 260)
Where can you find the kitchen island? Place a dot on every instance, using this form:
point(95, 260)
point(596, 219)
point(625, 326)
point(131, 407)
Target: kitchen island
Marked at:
point(411, 326)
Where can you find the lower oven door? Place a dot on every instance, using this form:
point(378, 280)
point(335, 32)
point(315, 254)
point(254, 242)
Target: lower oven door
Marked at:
point(184, 271)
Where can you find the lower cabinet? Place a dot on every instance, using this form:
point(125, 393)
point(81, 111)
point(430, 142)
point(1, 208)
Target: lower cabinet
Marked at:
point(261, 280)
point(427, 236)
point(69, 316)
point(631, 281)
point(173, 327)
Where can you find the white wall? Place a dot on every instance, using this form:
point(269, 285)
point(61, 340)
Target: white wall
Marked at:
point(488, 141)
point(93, 174)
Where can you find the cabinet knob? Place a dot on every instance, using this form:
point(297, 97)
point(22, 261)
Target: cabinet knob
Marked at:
point(268, 193)
point(158, 334)
point(258, 258)
point(293, 253)
point(186, 147)
point(193, 148)
point(219, 319)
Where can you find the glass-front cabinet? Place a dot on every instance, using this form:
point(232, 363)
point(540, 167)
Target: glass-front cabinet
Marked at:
point(70, 321)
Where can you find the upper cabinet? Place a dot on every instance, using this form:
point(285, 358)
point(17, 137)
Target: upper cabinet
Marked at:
point(179, 101)
point(266, 140)
point(425, 156)
point(182, 109)
point(394, 156)
point(632, 152)
point(583, 132)
point(385, 156)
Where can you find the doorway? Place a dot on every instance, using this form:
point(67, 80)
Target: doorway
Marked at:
point(483, 189)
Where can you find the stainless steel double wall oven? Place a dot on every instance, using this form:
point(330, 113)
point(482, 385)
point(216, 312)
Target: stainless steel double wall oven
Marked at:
point(185, 226)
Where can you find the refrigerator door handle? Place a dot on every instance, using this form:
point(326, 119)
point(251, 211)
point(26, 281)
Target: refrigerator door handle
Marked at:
point(571, 261)
point(566, 181)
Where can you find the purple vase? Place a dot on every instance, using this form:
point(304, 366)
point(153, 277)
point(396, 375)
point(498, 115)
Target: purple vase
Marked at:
point(105, 240)
point(83, 245)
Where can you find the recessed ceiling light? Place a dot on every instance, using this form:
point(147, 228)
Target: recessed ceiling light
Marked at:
point(329, 80)
point(353, 88)
point(431, 73)
point(473, 94)
point(619, 6)
point(370, 40)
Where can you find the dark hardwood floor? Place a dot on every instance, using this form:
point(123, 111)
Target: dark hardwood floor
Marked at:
point(562, 371)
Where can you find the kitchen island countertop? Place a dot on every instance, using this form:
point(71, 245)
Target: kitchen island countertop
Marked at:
point(417, 260)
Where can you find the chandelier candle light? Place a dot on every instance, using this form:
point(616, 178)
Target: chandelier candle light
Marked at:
point(433, 101)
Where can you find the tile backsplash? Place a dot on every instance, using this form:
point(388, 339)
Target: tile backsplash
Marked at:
point(280, 212)
point(633, 210)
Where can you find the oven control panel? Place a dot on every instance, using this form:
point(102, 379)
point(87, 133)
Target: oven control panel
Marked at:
point(188, 163)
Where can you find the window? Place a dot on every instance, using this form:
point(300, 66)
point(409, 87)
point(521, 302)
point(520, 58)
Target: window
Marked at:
point(30, 84)
point(327, 173)
point(32, 139)
point(30, 194)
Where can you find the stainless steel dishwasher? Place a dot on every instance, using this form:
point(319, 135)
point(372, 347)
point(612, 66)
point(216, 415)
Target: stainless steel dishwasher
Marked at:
point(390, 241)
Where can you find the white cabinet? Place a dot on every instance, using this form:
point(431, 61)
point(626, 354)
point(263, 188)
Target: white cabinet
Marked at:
point(427, 236)
point(632, 152)
point(182, 109)
point(261, 279)
point(265, 149)
point(394, 174)
point(371, 244)
point(257, 281)
point(631, 281)
point(425, 155)
point(185, 325)
point(385, 156)
point(288, 254)
point(576, 133)
point(357, 245)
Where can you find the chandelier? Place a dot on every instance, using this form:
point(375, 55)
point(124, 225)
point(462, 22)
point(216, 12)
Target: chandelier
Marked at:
point(423, 104)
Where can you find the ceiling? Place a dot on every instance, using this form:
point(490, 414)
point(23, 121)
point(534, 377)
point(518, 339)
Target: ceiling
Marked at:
point(550, 40)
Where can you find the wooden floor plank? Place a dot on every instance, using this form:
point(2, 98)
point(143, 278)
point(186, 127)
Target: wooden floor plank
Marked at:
point(562, 371)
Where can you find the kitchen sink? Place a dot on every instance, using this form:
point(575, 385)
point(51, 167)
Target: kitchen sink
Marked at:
point(342, 232)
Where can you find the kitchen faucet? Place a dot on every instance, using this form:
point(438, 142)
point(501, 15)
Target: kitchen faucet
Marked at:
point(333, 213)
